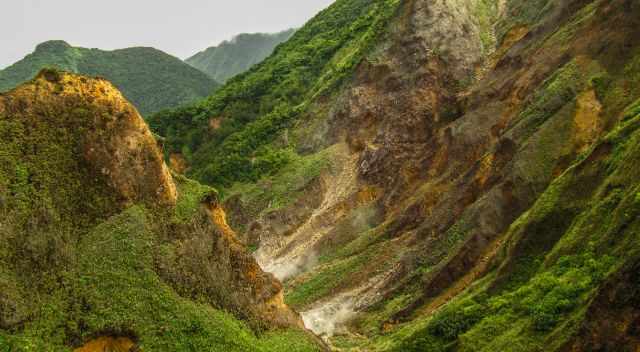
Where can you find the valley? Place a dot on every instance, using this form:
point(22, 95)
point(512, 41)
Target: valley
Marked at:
point(397, 175)
point(408, 192)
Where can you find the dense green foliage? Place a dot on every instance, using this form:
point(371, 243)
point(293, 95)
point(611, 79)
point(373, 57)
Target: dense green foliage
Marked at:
point(76, 263)
point(149, 78)
point(113, 289)
point(537, 307)
point(236, 56)
point(277, 192)
point(256, 107)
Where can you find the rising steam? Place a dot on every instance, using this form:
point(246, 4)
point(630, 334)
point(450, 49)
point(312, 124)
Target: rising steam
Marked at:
point(329, 318)
point(285, 269)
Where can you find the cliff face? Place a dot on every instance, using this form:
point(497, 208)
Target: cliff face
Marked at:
point(469, 186)
point(99, 243)
point(212, 262)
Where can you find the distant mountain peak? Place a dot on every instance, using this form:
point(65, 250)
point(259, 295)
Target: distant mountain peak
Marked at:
point(150, 78)
point(52, 45)
point(239, 54)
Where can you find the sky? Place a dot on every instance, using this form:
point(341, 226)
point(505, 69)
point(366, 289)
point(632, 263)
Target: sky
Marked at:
point(178, 27)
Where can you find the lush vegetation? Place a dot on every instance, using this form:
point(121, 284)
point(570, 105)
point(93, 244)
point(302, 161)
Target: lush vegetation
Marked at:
point(482, 322)
point(76, 263)
point(561, 254)
point(149, 78)
point(273, 193)
point(255, 108)
point(74, 266)
point(236, 56)
point(113, 289)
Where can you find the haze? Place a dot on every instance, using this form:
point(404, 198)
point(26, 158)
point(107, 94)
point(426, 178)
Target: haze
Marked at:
point(180, 28)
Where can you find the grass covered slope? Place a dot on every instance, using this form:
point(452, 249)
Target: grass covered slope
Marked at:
point(236, 56)
point(96, 238)
point(149, 78)
point(226, 137)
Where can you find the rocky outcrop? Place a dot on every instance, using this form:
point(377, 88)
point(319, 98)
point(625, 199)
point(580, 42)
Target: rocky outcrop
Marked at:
point(392, 118)
point(261, 293)
point(109, 344)
point(114, 141)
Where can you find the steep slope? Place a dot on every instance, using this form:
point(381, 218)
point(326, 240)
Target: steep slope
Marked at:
point(236, 56)
point(100, 244)
point(249, 112)
point(439, 175)
point(565, 278)
point(149, 78)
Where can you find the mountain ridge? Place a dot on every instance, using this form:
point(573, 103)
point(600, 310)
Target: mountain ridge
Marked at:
point(150, 78)
point(235, 56)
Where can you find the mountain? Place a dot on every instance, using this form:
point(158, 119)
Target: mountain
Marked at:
point(149, 78)
point(439, 175)
point(103, 249)
point(233, 57)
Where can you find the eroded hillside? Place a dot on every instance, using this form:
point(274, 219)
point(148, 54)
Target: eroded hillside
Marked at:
point(101, 248)
point(440, 175)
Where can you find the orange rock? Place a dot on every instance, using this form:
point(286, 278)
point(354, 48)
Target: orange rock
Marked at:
point(108, 344)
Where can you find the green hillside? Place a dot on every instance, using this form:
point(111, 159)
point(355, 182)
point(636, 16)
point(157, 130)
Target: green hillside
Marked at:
point(95, 235)
point(149, 78)
point(255, 107)
point(233, 57)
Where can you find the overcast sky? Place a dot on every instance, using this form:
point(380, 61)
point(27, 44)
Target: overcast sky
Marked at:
point(179, 27)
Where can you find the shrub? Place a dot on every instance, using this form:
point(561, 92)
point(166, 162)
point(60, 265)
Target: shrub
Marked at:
point(456, 320)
